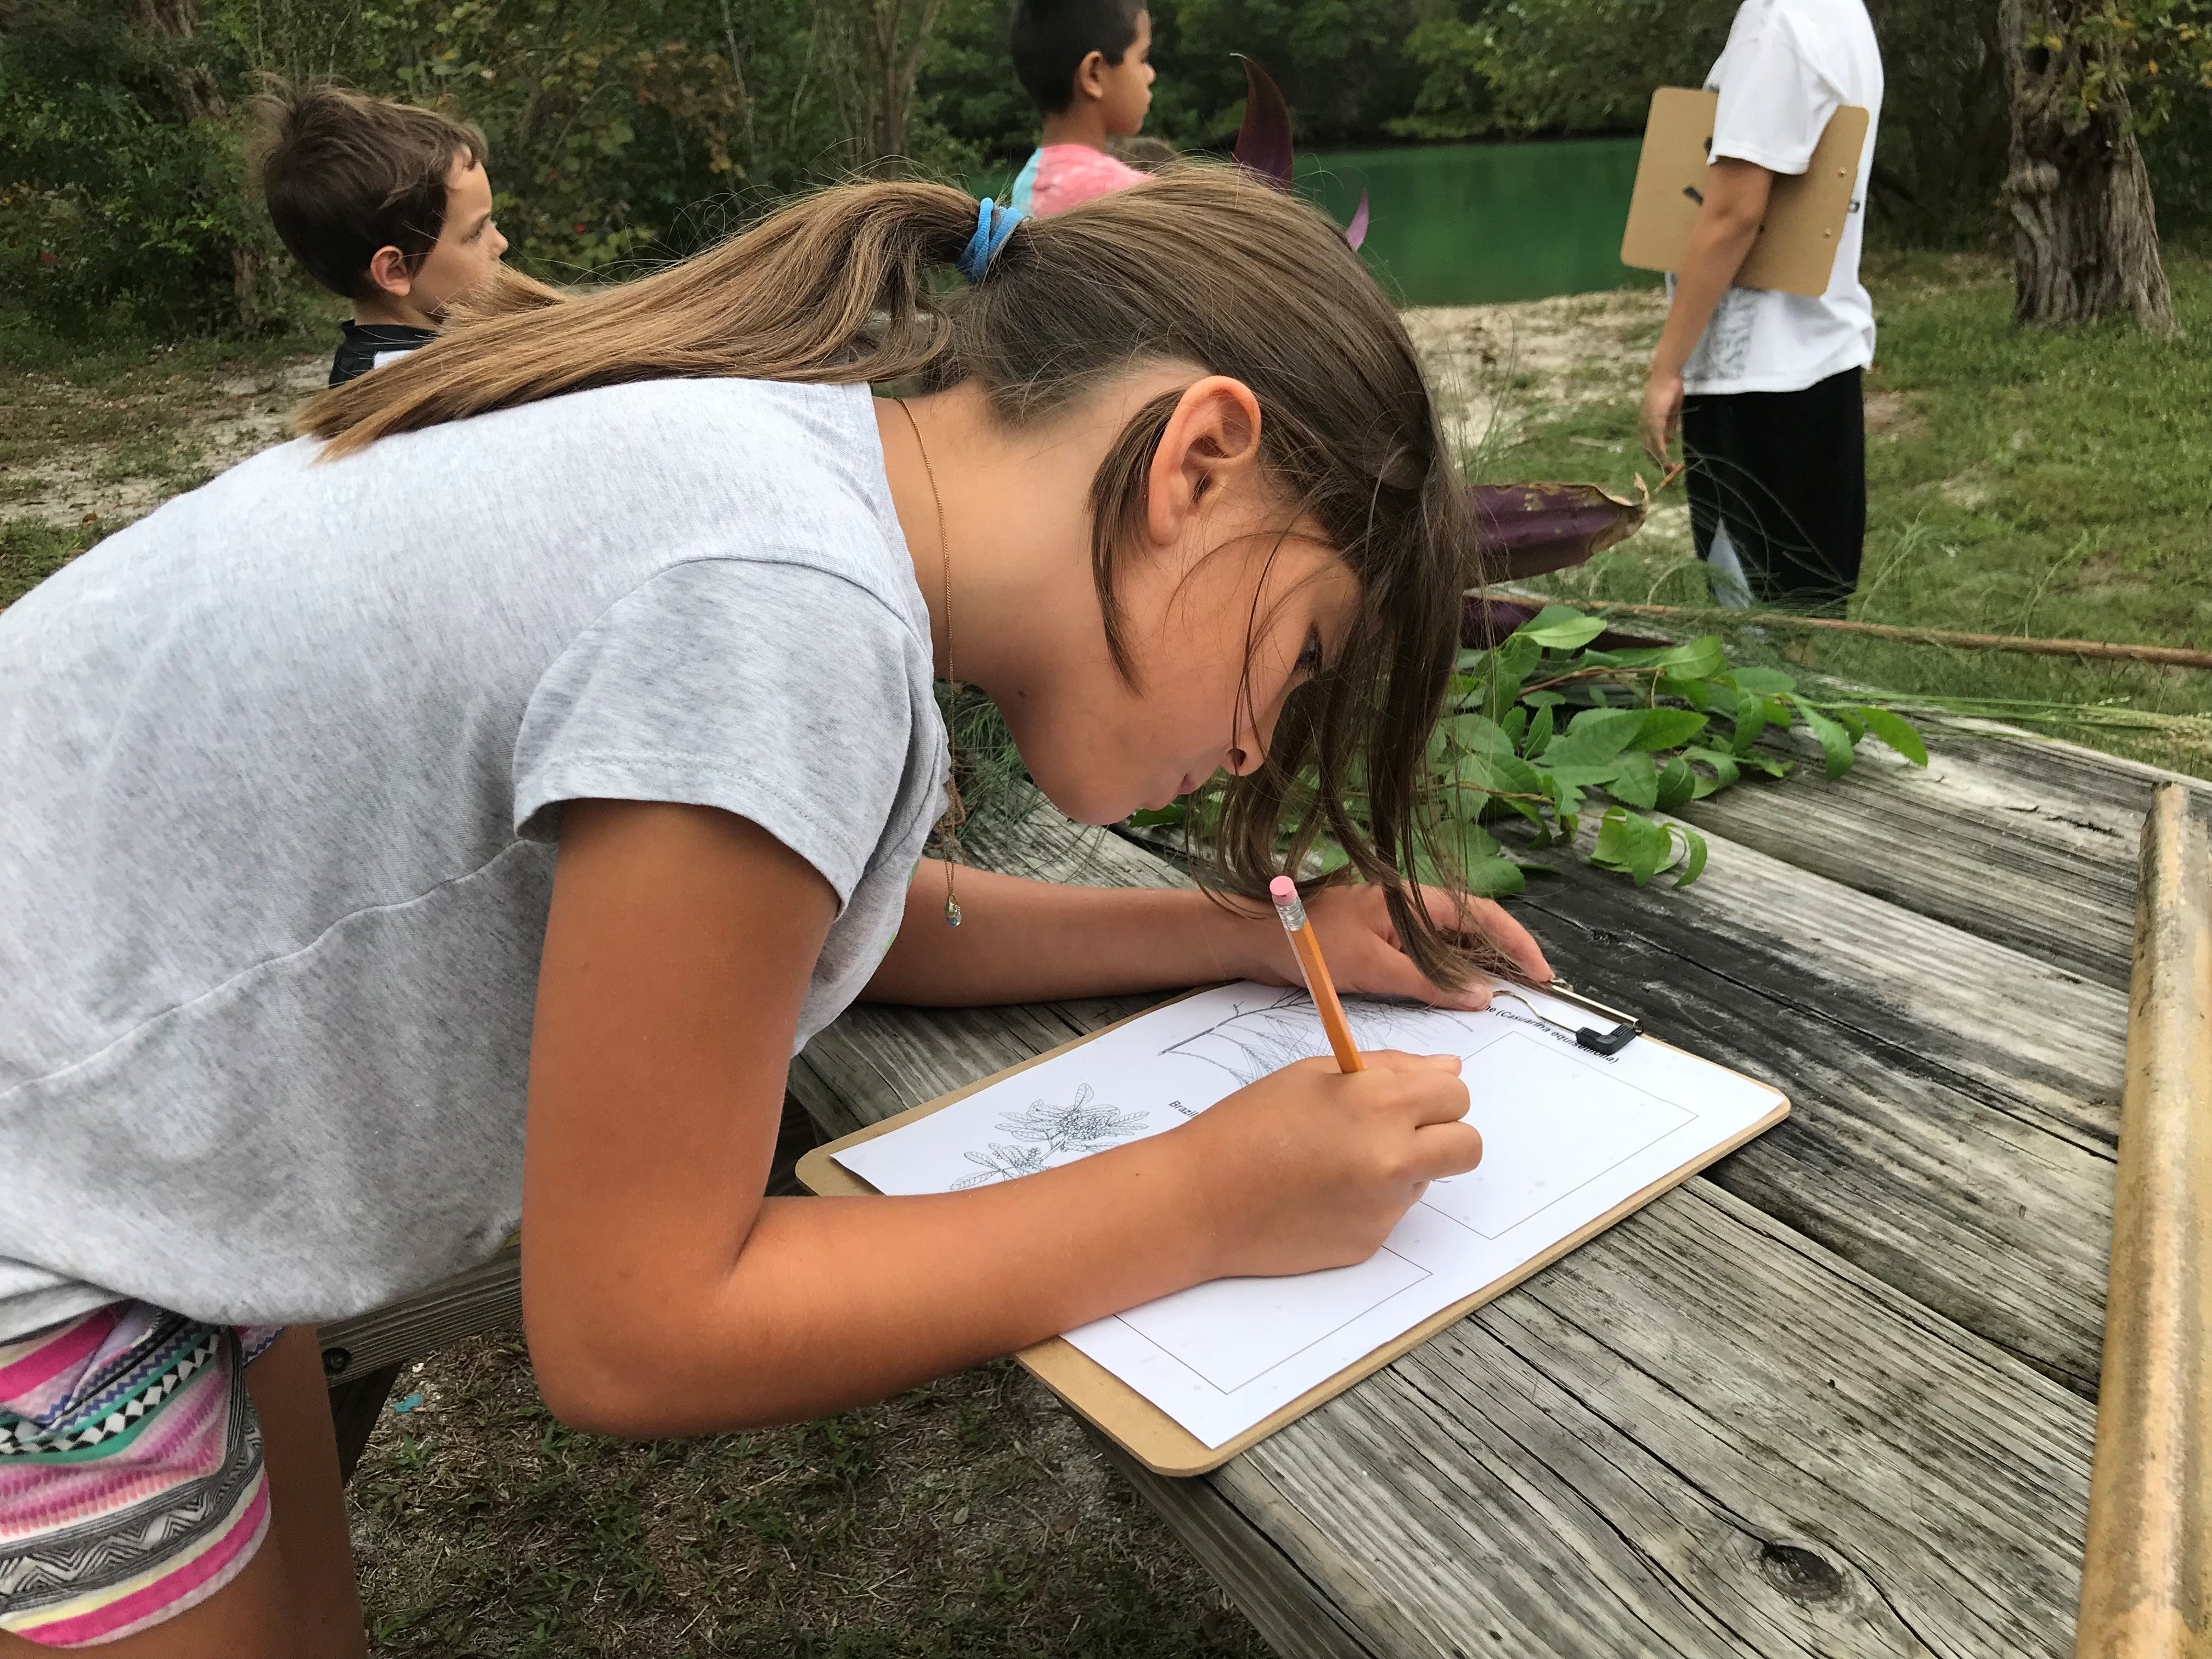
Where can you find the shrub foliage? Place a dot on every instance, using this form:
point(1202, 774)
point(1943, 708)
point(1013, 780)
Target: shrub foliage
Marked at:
point(635, 130)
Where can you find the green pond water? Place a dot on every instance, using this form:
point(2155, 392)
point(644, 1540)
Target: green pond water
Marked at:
point(1472, 224)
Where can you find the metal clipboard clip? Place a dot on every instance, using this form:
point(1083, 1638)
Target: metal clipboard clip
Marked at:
point(1625, 1030)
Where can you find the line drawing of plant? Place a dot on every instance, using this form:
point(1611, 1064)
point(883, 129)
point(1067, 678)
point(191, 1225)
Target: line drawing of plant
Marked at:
point(1002, 1164)
point(1251, 1043)
point(1081, 1127)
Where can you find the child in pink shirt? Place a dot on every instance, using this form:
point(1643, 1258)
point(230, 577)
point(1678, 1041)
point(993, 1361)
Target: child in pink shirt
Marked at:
point(1084, 62)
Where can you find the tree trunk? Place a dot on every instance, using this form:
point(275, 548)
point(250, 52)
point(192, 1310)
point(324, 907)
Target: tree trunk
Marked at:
point(192, 87)
point(893, 35)
point(2085, 231)
point(199, 99)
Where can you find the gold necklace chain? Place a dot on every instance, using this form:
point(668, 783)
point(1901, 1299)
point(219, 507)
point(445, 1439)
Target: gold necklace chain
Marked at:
point(948, 827)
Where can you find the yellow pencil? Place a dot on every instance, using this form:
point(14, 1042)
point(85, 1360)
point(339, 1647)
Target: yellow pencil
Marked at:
point(1292, 909)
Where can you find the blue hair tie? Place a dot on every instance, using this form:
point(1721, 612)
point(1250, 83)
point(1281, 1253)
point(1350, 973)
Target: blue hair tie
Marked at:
point(993, 224)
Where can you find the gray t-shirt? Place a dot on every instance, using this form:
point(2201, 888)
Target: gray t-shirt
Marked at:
point(280, 770)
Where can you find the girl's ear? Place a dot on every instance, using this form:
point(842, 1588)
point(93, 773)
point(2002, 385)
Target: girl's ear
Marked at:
point(1211, 439)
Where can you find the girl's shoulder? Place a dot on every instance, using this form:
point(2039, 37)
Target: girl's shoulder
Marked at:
point(754, 470)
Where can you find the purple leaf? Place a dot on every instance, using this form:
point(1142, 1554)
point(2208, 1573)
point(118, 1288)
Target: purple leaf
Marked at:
point(1531, 529)
point(1356, 232)
point(1263, 143)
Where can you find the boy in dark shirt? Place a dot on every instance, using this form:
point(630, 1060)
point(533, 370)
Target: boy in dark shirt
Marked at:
point(386, 205)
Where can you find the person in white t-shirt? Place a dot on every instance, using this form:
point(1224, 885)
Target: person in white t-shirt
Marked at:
point(1764, 387)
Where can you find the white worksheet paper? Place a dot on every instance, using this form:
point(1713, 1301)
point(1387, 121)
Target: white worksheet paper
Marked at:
point(1567, 1135)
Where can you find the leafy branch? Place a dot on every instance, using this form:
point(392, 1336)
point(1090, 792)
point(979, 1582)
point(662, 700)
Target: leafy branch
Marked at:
point(1544, 718)
point(1548, 727)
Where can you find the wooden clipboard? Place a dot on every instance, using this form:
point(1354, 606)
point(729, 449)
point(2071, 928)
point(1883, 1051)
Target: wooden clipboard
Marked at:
point(1805, 213)
point(1142, 1429)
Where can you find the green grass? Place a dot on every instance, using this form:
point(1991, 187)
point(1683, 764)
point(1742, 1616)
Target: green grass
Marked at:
point(31, 549)
point(970, 1520)
point(2024, 481)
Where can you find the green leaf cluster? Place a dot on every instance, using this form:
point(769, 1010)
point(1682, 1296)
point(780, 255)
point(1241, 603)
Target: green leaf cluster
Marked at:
point(1547, 728)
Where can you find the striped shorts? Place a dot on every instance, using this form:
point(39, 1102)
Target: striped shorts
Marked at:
point(131, 1473)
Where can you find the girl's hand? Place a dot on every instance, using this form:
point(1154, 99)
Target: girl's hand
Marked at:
point(1361, 946)
point(1310, 1168)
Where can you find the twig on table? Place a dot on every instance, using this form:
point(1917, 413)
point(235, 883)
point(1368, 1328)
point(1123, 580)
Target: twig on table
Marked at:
point(2173, 656)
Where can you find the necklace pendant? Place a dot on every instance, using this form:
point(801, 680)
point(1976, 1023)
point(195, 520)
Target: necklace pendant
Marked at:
point(951, 914)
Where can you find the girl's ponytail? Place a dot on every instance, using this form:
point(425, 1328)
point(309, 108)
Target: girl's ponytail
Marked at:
point(834, 288)
point(1199, 265)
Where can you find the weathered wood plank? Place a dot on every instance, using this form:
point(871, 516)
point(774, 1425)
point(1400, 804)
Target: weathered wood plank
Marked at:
point(2031, 844)
point(1940, 1138)
point(1298, 1617)
point(483, 1298)
point(2047, 1043)
point(1955, 1100)
point(1612, 1540)
point(2083, 773)
point(1697, 1435)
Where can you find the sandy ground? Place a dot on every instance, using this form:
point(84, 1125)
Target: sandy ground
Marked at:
point(1496, 369)
point(143, 456)
point(1499, 369)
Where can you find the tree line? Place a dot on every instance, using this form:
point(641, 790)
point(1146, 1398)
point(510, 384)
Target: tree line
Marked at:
point(632, 130)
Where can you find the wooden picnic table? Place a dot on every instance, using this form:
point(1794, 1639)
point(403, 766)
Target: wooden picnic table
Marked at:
point(1835, 1396)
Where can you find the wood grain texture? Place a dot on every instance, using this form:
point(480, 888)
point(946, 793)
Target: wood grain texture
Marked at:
point(2147, 1586)
point(1703, 1433)
point(484, 1299)
point(1299, 1616)
point(2022, 844)
point(1699, 1435)
point(1952, 1100)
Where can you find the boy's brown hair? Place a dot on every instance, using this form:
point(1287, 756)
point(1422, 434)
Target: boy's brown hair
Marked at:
point(345, 174)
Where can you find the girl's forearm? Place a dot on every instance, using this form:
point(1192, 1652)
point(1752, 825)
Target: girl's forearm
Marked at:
point(1025, 941)
point(833, 1303)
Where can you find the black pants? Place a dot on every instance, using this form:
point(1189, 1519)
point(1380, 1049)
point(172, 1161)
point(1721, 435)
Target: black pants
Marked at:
point(1782, 476)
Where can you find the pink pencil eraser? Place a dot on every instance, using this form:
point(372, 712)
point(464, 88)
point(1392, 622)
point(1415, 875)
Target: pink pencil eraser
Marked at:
point(1283, 889)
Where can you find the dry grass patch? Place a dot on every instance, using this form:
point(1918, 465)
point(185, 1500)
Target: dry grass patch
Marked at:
point(970, 1520)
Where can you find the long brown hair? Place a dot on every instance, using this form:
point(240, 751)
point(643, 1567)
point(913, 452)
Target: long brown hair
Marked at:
point(1200, 265)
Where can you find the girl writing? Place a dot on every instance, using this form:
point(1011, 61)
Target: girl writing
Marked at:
point(461, 815)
